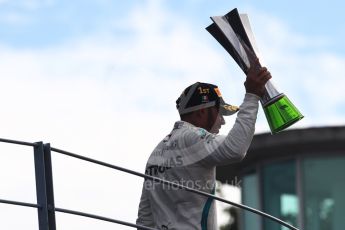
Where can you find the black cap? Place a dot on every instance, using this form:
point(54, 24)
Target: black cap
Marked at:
point(203, 95)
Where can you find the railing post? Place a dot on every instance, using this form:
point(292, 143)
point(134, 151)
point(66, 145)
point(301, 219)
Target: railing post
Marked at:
point(44, 187)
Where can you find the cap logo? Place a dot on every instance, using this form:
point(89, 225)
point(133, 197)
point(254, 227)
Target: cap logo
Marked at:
point(231, 107)
point(218, 92)
point(204, 99)
point(203, 91)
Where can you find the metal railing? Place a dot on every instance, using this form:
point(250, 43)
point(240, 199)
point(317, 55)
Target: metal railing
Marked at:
point(45, 191)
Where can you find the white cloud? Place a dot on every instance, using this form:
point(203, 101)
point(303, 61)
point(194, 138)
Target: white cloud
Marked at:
point(106, 98)
point(112, 98)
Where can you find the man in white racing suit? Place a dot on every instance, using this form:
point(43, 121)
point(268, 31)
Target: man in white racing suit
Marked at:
point(190, 153)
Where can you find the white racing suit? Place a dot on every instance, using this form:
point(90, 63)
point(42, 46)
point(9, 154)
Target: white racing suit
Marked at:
point(189, 156)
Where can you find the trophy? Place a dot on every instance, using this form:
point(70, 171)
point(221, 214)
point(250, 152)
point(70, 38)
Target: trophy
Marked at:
point(234, 33)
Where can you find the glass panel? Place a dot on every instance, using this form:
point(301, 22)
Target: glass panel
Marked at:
point(250, 198)
point(324, 189)
point(279, 193)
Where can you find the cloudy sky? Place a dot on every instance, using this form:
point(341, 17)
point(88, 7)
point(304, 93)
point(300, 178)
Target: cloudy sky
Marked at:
point(100, 78)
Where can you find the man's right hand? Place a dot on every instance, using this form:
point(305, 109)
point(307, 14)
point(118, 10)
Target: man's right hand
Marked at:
point(257, 77)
